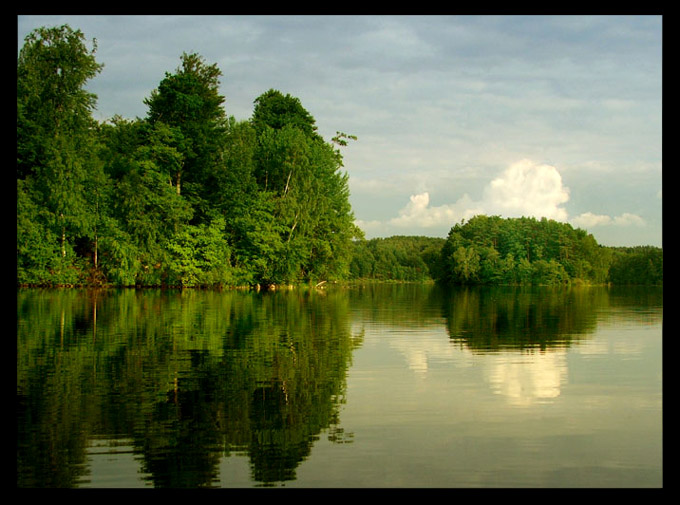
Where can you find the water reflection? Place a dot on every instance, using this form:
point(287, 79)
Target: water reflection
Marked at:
point(178, 383)
point(525, 379)
point(529, 330)
point(489, 319)
point(188, 377)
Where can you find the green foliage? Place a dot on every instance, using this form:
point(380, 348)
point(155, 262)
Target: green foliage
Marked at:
point(526, 251)
point(398, 258)
point(186, 109)
point(56, 165)
point(184, 196)
point(53, 67)
point(274, 110)
point(493, 250)
point(37, 246)
point(309, 196)
point(199, 256)
point(637, 265)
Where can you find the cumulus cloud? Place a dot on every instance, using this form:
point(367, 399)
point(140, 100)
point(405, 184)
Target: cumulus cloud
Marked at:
point(627, 219)
point(525, 188)
point(590, 220)
point(528, 189)
point(368, 226)
point(418, 212)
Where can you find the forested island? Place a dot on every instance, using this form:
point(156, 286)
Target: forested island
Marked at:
point(190, 197)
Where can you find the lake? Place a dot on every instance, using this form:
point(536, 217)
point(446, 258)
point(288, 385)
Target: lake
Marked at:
point(386, 385)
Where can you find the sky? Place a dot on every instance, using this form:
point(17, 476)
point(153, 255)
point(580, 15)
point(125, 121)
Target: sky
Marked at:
point(543, 116)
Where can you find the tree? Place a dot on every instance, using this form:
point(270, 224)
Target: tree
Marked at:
point(144, 209)
point(37, 245)
point(274, 110)
point(55, 134)
point(402, 258)
point(466, 264)
point(310, 197)
point(637, 265)
point(183, 196)
point(189, 104)
point(53, 67)
point(199, 256)
point(258, 242)
point(231, 186)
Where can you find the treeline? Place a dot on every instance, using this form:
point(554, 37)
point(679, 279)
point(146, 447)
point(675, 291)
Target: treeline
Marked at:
point(528, 251)
point(398, 258)
point(492, 250)
point(636, 265)
point(185, 196)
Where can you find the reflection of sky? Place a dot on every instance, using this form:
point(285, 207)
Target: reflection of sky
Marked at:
point(426, 410)
point(422, 350)
point(521, 378)
point(524, 379)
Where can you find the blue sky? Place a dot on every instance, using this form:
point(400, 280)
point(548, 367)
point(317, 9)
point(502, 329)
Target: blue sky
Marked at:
point(555, 116)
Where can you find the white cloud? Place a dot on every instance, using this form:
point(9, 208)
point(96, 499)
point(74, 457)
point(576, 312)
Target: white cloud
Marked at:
point(627, 219)
point(528, 189)
point(590, 220)
point(523, 189)
point(368, 226)
point(419, 213)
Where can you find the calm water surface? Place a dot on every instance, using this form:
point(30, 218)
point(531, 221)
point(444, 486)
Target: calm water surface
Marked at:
point(372, 386)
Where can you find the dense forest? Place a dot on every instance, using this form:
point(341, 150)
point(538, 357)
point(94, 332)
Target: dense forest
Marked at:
point(185, 196)
point(188, 196)
point(398, 258)
point(493, 250)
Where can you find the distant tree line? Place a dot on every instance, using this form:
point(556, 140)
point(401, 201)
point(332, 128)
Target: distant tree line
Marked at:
point(492, 250)
point(398, 258)
point(636, 265)
point(185, 196)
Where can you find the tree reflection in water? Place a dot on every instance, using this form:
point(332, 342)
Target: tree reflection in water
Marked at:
point(188, 376)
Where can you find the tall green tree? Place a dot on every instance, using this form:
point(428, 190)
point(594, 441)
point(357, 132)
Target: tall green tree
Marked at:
point(55, 135)
point(188, 102)
point(145, 210)
point(231, 186)
point(302, 174)
point(53, 68)
point(275, 110)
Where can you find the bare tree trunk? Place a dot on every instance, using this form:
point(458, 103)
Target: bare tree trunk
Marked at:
point(295, 223)
point(285, 191)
